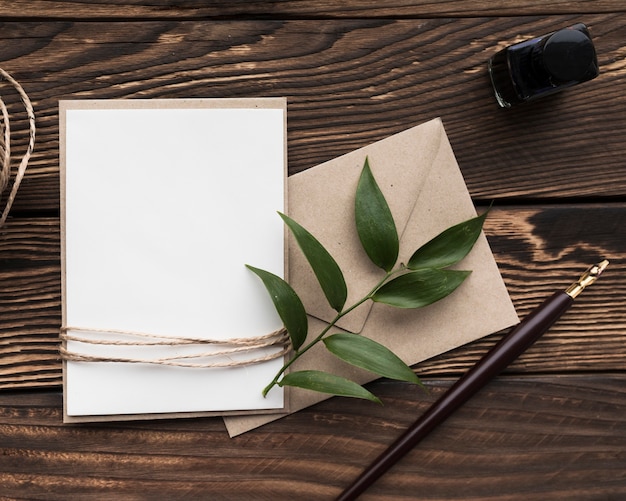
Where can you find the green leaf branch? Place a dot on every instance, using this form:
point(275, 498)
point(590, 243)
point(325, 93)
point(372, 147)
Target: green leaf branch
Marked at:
point(423, 280)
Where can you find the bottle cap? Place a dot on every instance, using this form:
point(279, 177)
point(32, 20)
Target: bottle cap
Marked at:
point(568, 54)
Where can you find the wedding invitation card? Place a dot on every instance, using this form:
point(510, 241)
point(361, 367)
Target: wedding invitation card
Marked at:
point(163, 204)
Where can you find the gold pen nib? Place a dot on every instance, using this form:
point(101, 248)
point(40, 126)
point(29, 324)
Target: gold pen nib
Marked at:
point(586, 279)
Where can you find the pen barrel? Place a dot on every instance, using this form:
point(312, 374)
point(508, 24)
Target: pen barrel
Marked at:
point(497, 359)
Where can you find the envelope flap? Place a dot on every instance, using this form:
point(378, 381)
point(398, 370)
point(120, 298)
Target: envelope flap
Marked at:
point(322, 200)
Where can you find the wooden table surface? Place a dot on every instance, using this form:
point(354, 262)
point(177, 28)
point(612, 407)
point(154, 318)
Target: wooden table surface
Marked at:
point(552, 427)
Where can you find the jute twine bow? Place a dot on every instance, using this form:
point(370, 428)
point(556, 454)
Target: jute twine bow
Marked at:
point(225, 348)
point(5, 145)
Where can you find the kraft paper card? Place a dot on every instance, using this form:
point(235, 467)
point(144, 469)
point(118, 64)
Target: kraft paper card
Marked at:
point(419, 176)
point(163, 203)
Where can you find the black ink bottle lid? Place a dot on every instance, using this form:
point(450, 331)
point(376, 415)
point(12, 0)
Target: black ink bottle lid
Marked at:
point(542, 66)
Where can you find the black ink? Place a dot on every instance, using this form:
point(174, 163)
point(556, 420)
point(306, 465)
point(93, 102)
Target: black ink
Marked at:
point(542, 66)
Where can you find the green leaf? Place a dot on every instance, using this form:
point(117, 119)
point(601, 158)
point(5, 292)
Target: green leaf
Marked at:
point(374, 222)
point(326, 270)
point(324, 382)
point(370, 355)
point(449, 247)
point(287, 304)
point(419, 288)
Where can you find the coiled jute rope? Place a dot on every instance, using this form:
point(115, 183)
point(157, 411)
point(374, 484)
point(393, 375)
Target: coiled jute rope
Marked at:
point(5, 146)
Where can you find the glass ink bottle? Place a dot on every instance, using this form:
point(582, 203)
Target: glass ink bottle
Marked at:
point(542, 66)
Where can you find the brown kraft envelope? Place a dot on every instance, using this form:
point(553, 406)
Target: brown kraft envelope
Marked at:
point(421, 180)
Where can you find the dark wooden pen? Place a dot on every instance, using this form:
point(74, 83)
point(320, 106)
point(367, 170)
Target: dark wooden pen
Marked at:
point(497, 359)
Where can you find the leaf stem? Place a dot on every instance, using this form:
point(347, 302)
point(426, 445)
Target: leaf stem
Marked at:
point(324, 331)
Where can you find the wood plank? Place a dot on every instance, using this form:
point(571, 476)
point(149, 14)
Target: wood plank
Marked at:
point(348, 82)
point(539, 250)
point(518, 439)
point(173, 9)
point(543, 249)
point(30, 292)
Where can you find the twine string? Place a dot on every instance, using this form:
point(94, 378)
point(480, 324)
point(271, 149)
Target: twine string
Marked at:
point(5, 146)
point(205, 359)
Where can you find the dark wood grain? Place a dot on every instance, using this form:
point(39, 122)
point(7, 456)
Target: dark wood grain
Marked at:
point(520, 438)
point(552, 427)
point(348, 82)
point(539, 250)
point(175, 9)
point(30, 291)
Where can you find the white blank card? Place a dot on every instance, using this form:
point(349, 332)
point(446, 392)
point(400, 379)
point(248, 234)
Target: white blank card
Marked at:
point(163, 204)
